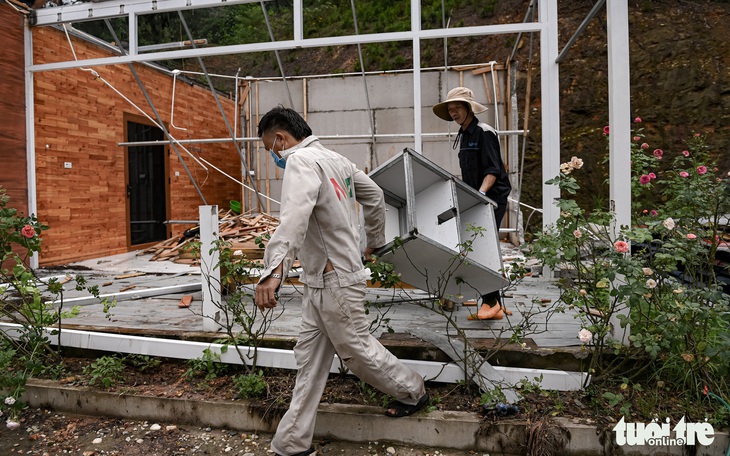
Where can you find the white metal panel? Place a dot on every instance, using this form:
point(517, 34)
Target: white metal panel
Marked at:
point(436, 214)
point(392, 222)
point(485, 246)
point(434, 268)
point(429, 259)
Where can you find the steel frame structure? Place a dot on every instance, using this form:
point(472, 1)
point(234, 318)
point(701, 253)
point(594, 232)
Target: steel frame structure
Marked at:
point(546, 26)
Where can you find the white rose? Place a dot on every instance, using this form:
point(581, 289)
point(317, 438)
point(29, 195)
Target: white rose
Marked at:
point(12, 424)
point(647, 271)
point(585, 336)
point(10, 400)
point(651, 283)
point(668, 223)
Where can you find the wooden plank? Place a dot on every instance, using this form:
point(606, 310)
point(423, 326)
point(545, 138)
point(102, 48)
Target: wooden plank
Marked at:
point(488, 69)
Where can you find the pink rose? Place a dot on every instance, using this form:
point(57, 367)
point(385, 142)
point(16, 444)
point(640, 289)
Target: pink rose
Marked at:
point(644, 146)
point(697, 135)
point(652, 175)
point(28, 231)
point(702, 169)
point(644, 179)
point(636, 138)
point(654, 213)
point(577, 233)
point(621, 246)
point(691, 236)
point(685, 153)
point(606, 130)
point(637, 120)
point(684, 174)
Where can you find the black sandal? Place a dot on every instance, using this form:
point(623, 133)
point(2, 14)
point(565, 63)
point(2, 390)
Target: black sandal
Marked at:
point(302, 453)
point(402, 409)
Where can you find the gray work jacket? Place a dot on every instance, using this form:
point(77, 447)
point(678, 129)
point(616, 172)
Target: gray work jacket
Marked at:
point(319, 218)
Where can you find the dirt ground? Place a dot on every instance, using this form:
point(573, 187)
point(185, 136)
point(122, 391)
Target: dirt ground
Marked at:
point(43, 432)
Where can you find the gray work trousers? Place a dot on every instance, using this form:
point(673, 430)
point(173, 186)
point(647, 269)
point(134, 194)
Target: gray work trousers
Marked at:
point(334, 321)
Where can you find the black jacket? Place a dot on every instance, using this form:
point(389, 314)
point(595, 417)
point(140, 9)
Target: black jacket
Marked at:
point(479, 155)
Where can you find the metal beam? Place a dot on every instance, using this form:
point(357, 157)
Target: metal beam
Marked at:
point(416, 64)
point(30, 130)
point(277, 358)
point(619, 120)
point(550, 89)
point(210, 272)
point(293, 44)
point(596, 8)
point(93, 11)
point(136, 294)
point(323, 137)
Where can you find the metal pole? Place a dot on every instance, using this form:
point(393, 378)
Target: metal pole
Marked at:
point(550, 88)
point(276, 53)
point(416, 29)
point(220, 108)
point(619, 115)
point(596, 8)
point(30, 130)
point(210, 273)
point(365, 84)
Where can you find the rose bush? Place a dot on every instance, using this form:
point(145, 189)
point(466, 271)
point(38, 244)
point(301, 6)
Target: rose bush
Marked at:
point(649, 294)
point(27, 302)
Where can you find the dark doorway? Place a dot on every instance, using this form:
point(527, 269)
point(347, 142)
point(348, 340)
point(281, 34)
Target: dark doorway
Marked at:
point(146, 185)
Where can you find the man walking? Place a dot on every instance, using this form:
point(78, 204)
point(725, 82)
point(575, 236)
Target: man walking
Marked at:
point(319, 225)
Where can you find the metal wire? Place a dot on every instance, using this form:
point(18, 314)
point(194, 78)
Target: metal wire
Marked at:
point(222, 111)
point(365, 83)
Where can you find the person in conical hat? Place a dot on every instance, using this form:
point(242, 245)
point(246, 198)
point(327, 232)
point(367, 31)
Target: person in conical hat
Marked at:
point(481, 166)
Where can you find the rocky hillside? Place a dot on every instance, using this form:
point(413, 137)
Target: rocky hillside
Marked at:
point(680, 76)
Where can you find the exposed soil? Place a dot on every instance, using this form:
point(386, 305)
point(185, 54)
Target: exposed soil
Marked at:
point(45, 432)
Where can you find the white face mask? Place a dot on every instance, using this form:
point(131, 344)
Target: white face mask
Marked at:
point(280, 162)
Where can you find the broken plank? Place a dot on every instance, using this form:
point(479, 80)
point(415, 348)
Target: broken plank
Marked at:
point(127, 276)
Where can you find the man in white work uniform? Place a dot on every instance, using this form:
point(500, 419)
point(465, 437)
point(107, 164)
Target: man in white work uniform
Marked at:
point(319, 225)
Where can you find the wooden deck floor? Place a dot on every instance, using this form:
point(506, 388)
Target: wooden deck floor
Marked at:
point(160, 315)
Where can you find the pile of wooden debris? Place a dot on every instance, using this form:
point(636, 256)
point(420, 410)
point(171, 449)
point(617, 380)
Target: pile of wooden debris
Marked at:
point(246, 232)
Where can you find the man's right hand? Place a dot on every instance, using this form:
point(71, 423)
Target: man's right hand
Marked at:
point(265, 294)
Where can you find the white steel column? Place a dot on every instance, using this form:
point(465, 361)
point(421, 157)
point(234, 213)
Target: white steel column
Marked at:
point(619, 120)
point(298, 20)
point(30, 130)
point(619, 111)
point(416, 29)
point(133, 42)
point(210, 273)
point(550, 94)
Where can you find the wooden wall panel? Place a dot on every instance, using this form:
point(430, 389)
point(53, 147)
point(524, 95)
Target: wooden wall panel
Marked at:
point(13, 174)
point(79, 119)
